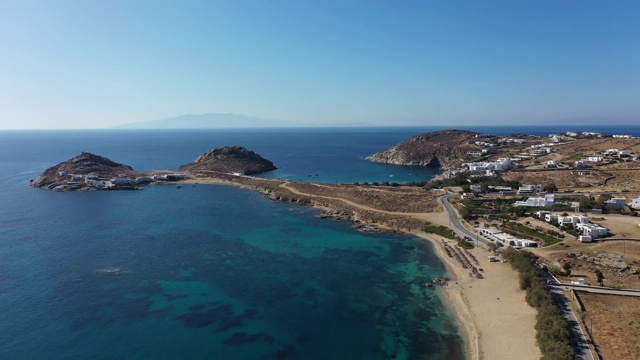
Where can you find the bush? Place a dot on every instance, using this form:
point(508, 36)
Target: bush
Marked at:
point(552, 329)
point(440, 230)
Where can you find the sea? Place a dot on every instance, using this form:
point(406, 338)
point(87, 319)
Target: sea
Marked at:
point(213, 271)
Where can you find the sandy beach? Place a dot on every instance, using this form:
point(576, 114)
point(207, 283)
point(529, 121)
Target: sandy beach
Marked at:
point(496, 321)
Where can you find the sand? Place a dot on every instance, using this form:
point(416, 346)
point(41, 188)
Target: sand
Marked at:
point(495, 320)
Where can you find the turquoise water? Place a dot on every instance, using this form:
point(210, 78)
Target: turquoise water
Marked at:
point(204, 272)
point(214, 272)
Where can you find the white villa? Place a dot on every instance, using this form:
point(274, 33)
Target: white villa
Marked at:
point(615, 152)
point(506, 239)
point(589, 230)
point(500, 164)
point(635, 203)
point(547, 200)
point(616, 202)
point(529, 189)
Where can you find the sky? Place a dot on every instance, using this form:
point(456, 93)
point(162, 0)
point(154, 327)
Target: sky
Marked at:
point(99, 64)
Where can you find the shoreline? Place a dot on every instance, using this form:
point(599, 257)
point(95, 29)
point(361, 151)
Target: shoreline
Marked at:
point(494, 320)
point(454, 300)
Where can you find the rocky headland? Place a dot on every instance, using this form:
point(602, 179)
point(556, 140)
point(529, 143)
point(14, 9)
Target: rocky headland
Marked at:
point(87, 172)
point(230, 160)
point(91, 172)
point(438, 148)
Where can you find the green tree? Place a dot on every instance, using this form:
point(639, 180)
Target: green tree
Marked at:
point(604, 197)
point(599, 277)
point(520, 211)
point(567, 268)
point(465, 212)
point(550, 187)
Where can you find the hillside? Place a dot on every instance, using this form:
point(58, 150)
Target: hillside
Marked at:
point(445, 148)
point(72, 174)
point(229, 159)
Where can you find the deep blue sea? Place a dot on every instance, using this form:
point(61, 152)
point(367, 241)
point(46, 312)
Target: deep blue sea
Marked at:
point(212, 272)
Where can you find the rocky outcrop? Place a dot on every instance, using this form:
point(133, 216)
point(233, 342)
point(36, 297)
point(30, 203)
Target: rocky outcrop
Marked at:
point(615, 261)
point(86, 171)
point(447, 148)
point(230, 160)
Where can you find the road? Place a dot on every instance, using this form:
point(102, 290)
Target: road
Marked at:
point(454, 220)
point(578, 338)
point(602, 290)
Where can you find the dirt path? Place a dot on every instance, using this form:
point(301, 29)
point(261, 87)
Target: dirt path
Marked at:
point(419, 216)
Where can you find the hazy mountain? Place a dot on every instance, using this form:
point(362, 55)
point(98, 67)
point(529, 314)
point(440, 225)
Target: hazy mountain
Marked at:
point(212, 120)
point(587, 121)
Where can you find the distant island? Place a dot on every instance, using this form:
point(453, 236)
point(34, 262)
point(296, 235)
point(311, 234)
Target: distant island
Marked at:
point(212, 121)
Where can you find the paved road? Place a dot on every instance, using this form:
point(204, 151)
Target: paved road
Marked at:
point(454, 220)
point(602, 290)
point(578, 337)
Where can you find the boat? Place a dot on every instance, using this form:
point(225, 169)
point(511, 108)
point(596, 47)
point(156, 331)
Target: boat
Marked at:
point(179, 186)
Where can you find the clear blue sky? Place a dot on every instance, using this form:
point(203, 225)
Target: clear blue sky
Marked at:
point(88, 64)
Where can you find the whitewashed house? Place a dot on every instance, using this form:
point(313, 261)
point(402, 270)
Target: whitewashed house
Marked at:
point(529, 189)
point(547, 200)
point(616, 202)
point(593, 230)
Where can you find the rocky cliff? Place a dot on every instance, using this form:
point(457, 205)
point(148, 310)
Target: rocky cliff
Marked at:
point(445, 148)
point(78, 173)
point(229, 159)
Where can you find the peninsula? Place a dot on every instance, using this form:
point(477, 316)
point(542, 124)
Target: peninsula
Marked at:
point(90, 172)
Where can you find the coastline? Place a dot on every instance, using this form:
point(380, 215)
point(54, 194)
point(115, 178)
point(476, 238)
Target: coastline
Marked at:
point(454, 299)
point(495, 320)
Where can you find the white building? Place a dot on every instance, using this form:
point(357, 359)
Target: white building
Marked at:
point(594, 158)
point(547, 200)
point(468, 196)
point(593, 230)
point(635, 203)
point(578, 164)
point(475, 187)
point(584, 238)
point(541, 214)
point(529, 189)
point(500, 164)
point(506, 239)
point(551, 164)
point(616, 202)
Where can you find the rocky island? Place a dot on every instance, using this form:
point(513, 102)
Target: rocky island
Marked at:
point(91, 172)
point(229, 160)
point(87, 172)
point(438, 148)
